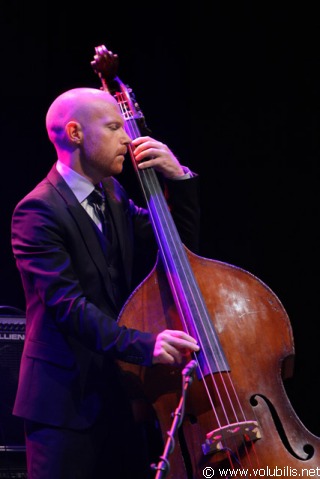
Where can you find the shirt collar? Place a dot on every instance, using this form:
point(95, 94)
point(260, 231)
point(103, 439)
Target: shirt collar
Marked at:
point(80, 186)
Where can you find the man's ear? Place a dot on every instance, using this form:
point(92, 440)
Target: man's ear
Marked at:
point(73, 132)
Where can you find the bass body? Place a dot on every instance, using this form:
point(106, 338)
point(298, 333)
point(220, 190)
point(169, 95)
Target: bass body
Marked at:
point(237, 420)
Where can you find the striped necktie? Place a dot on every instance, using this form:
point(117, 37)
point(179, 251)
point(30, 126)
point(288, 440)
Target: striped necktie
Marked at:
point(97, 200)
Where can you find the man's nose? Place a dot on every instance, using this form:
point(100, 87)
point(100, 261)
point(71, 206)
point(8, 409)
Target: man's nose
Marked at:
point(127, 138)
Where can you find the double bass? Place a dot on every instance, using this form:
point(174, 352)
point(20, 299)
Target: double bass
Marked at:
point(237, 419)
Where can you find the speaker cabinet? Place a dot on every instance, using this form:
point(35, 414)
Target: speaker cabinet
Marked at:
point(12, 444)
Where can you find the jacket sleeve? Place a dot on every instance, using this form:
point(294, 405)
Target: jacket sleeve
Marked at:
point(56, 273)
point(183, 200)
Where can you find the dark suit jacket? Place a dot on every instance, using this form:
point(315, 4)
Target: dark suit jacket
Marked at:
point(72, 337)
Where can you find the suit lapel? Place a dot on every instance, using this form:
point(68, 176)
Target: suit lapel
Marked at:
point(120, 227)
point(86, 228)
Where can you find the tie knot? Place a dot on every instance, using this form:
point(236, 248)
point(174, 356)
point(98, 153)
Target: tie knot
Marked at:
point(96, 197)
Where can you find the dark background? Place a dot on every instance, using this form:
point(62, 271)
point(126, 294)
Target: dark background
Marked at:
point(233, 88)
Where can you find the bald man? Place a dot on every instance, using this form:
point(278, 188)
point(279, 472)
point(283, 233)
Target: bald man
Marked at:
point(78, 419)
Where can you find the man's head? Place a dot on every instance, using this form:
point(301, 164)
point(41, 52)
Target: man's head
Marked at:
point(86, 128)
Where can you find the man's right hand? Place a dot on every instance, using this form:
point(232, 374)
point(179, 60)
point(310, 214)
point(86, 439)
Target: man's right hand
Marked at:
point(174, 347)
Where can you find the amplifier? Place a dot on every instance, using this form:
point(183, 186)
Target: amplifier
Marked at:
point(12, 334)
point(13, 463)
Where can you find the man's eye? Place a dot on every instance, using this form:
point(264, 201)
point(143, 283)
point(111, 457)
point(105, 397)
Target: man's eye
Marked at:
point(114, 126)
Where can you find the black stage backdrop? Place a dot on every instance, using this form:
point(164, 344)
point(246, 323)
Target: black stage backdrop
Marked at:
point(233, 88)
